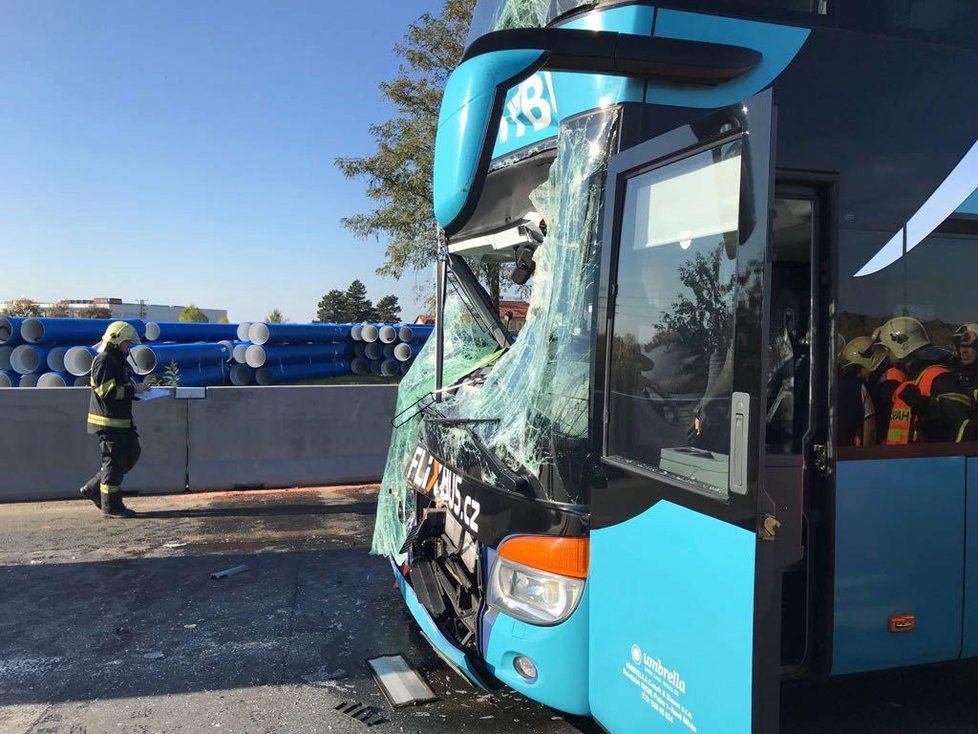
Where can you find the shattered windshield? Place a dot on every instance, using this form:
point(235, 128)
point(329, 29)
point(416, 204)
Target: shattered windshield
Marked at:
point(499, 15)
point(538, 389)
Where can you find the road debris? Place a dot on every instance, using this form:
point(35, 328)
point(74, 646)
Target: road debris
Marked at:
point(233, 571)
point(321, 675)
point(155, 655)
point(401, 684)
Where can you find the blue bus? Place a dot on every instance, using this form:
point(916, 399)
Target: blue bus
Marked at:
point(647, 505)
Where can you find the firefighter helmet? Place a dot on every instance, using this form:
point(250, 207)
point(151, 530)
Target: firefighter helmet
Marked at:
point(965, 334)
point(864, 352)
point(902, 336)
point(116, 333)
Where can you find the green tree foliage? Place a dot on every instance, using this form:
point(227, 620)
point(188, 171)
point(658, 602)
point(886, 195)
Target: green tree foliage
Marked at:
point(358, 306)
point(332, 308)
point(59, 310)
point(192, 314)
point(22, 307)
point(94, 312)
point(388, 309)
point(398, 173)
point(223, 320)
point(275, 317)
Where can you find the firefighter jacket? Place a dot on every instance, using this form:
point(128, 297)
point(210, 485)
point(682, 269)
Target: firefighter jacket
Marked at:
point(942, 411)
point(110, 405)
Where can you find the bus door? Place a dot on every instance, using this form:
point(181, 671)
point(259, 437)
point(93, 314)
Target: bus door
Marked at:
point(684, 595)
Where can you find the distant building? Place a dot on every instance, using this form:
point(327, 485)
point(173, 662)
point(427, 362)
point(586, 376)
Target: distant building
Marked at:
point(145, 311)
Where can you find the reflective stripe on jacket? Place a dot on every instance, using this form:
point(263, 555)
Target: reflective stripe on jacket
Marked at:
point(110, 404)
point(902, 428)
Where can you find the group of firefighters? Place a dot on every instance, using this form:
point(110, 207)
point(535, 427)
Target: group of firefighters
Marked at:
point(898, 388)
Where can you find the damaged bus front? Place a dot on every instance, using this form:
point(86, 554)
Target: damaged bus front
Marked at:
point(485, 505)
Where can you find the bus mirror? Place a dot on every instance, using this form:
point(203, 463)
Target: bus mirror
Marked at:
point(472, 105)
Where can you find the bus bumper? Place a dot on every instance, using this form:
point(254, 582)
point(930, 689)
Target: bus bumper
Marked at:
point(560, 654)
point(452, 656)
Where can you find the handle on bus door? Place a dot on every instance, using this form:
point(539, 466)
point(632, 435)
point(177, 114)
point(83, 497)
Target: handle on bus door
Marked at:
point(739, 433)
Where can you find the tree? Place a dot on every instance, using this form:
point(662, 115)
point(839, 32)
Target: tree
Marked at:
point(94, 312)
point(193, 314)
point(398, 174)
point(223, 320)
point(358, 306)
point(59, 310)
point(388, 309)
point(275, 317)
point(332, 308)
point(22, 307)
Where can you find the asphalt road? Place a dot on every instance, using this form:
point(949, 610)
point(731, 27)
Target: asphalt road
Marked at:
point(116, 626)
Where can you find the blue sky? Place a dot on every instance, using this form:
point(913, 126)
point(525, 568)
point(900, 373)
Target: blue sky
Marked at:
point(183, 151)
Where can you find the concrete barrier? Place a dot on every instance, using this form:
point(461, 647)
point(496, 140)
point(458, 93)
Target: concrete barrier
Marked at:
point(234, 437)
point(46, 453)
point(289, 436)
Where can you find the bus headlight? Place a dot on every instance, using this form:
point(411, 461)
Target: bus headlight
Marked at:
point(532, 595)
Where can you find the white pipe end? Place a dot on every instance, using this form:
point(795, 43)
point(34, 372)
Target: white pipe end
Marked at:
point(255, 356)
point(374, 350)
point(369, 333)
point(56, 359)
point(144, 358)
point(152, 331)
point(239, 351)
point(28, 380)
point(51, 379)
point(25, 359)
point(263, 376)
point(387, 334)
point(78, 361)
point(359, 366)
point(32, 331)
point(81, 381)
point(403, 352)
point(389, 368)
point(355, 332)
point(376, 365)
point(258, 333)
point(241, 374)
point(243, 330)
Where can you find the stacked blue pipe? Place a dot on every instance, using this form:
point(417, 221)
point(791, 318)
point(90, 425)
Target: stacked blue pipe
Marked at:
point(70, 331)
point(285, 373)
point(10, 331)
point(179, 331)
point(206, 354)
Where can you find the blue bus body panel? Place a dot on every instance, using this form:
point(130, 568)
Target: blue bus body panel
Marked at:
point(534, 109)
point(899, 549)
point(446, 649)
point(778, 43)
point(466, 108)
point(672, 620)
point(560, 654)
point(969, 643)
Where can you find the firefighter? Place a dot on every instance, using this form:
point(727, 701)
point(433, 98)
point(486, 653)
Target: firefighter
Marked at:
point(929, 405)
point(110, 418)
point(965, 361)
point(860, 359)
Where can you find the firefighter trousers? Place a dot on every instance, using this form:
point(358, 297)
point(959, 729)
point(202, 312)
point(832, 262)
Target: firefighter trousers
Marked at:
point(120, 452)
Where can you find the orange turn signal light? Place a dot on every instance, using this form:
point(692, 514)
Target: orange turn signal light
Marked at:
point(902, 623)
point(564, 556)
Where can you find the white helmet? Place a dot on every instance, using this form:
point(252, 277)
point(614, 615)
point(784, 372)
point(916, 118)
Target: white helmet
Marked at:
point(902, 336)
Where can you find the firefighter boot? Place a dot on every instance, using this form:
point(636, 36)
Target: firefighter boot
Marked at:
point(112, 506)
point(92, 493)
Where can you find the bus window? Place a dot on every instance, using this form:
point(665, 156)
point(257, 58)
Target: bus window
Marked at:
point(929, 291)
point(670, 377)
